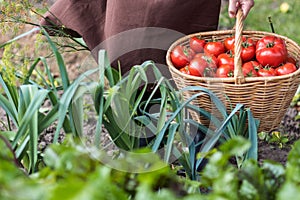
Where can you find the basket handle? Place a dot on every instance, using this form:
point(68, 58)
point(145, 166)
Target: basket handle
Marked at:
point(239, 25)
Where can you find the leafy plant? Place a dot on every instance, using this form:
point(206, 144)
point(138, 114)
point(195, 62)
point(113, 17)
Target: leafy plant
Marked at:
point(124, 106)
point(274, 137)
point(125, 114)
point(23, 107)
point(290, 188)
point(296, 103)
point(239, 122)
point(74, 171)
point(249, 182)
point(231, 127)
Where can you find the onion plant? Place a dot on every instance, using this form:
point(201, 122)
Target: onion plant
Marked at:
point(23, 104)
point(22, 108)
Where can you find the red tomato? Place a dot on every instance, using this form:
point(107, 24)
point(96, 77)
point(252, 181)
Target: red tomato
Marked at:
point(214, 48)
point(285, 69)
point(185, 70)
point(266, 71)
point(226, 58)
point(197, 44)
point(211, 60)
point(181, 56)
point(225, 71)
point(250, 68)
point(199, 66)
point(229, 43)
point(290, 59)
point(248, 49)
point(271, 51)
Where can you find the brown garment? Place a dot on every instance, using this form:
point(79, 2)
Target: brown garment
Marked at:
point(133, 31)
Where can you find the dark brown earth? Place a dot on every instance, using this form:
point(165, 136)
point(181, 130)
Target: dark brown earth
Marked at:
point(274, 151)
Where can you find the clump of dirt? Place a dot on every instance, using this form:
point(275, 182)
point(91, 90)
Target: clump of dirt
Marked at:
point(267, 151)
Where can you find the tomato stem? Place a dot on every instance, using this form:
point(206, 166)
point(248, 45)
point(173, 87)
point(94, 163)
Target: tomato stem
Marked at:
point(270, 45)
point(271, 24)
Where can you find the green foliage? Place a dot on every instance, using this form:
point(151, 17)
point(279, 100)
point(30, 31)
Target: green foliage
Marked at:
point(296, 100)
point(70, 163)
point(291, 187)
point(74, 172)
point(15, 184)
point(296, 103)
point(219, 175)
point(118, 107)
point(251, 181)
point(23, 105)
point(239, 122)
point(274, 137)
point(12, 12)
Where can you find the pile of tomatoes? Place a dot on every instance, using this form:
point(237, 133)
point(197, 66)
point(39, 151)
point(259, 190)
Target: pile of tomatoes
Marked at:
point(267, 56)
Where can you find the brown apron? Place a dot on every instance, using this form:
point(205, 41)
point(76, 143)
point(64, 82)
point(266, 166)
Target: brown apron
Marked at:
point(133, 31)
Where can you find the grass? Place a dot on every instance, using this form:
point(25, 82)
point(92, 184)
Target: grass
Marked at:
point(285, 23)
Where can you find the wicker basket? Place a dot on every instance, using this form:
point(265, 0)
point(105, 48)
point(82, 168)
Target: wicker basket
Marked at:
point(267, 97)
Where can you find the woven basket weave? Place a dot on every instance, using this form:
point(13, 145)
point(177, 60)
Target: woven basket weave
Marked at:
point(267, 97)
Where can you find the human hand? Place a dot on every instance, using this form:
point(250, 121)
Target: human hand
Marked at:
point(234, 5)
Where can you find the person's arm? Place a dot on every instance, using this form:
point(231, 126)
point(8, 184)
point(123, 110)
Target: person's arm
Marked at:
point(234, 5)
